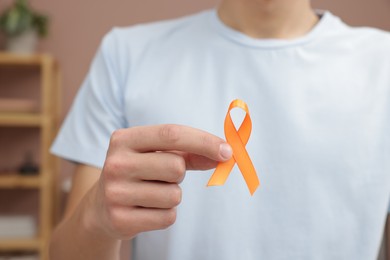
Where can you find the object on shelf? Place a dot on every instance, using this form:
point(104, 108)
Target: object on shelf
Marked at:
point(17, 226)
point(22, 26)
point(24, 43)
point(28, 166)
point(18, 105)
point(19, 256)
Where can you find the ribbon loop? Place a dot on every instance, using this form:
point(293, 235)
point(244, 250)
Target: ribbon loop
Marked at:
point(237, 140)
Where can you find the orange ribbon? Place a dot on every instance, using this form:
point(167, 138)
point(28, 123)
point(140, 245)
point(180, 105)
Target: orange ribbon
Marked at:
point(237, 140)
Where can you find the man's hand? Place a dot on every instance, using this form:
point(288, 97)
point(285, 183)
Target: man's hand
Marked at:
point(138, 189)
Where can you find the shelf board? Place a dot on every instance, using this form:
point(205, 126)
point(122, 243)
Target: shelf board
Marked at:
point(19, 181)
point(20, 119)
point(25, 244)
point(22, 59)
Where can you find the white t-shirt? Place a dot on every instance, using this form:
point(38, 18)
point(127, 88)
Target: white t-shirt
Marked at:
point(320, 108)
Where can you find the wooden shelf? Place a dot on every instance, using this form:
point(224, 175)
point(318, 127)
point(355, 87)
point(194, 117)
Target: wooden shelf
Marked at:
point(20, 119)
point(46, 120)
point(19, 181)
point(32, 244)
point(8, 59)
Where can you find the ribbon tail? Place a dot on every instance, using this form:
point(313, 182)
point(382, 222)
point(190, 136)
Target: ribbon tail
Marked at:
point(242, 159)
point(221, 173)
point(250, 176)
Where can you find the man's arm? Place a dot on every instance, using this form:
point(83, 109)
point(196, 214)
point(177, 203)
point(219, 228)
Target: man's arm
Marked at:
point(386, 238)
point(136, 191)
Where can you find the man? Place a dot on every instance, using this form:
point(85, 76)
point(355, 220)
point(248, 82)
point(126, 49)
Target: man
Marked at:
point(152, 108)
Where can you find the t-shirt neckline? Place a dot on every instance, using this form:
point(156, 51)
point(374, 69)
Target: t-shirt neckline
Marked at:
point(241, 38)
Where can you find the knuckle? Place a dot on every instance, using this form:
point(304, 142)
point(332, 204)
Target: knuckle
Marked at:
point(114, 218)
point(119, 224)
point(112, 167)
point(175, 195)
point(111, 193)
point(116, 137)
point(169, 218)
point(178, 169)
point(115, 166)
point(170, 133)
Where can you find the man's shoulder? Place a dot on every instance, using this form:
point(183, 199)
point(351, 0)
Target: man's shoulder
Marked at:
point(372, 34)
point(157, 30)
point(368, 37)
point(123, 47)
point(370, 42)
point(374, 42)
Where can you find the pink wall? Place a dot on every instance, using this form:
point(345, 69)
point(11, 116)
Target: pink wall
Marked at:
point(77, 26)
point(374, 13)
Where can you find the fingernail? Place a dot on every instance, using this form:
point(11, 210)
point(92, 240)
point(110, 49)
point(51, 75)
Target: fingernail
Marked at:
point(225, 151)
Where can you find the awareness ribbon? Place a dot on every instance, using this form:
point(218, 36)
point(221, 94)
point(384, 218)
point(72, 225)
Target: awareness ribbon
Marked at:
point(237, 140)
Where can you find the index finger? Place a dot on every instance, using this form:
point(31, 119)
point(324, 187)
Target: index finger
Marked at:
point(176, 137)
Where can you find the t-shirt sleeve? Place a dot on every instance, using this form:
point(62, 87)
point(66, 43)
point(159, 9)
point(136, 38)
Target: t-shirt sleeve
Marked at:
point(96, 112)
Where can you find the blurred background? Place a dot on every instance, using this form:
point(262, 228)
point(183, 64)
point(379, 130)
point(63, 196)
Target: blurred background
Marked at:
point(75, 29)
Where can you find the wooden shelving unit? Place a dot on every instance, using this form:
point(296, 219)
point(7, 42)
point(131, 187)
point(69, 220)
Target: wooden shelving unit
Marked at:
point(32, 244)
point(20, 119)
point(46, 120)
point(14, 181)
